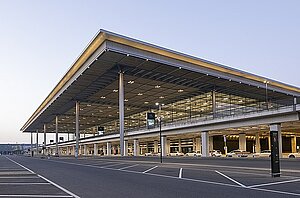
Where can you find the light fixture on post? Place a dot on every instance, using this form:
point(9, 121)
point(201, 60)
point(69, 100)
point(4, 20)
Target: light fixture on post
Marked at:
point(267, 103)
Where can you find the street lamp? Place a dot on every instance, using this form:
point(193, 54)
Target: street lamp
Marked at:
point(267, 103)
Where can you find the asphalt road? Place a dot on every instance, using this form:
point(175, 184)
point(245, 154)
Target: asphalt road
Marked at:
point(176, 177)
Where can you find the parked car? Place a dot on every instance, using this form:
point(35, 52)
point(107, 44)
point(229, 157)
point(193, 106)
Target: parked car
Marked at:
point(194, 154)
point(176, 154)
point(294, 155)
point(238, 153)
point(149, 154)
point(215, 153)
point(264, 153)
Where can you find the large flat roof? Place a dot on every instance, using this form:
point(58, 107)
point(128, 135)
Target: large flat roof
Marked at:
point(97, 67)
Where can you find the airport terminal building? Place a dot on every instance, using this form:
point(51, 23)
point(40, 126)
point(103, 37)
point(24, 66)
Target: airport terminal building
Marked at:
point(127, 97)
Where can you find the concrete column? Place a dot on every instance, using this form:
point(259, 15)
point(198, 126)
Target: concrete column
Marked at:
point(211, 143)
point(37, 142)
point(155, 146)
point(31, 144)
point(104, 150)
point(179, 145)
point(257, 143)
point(205, 144)
point(294, 144)
point(45, 140)
point(277, 127)
point(56, 135)
point(108, 148)
point(95, 149)
point(136, 148)
point(77, 109)
point(295, 104)
point(163, 142)
point(121, 110)
point(214, 106)
point(168, 150)
point(198, 144)
point(73, 150)
point(242, 141)
point(85, 149)
point(269, 142)
point(80, 151)
point(125, 147)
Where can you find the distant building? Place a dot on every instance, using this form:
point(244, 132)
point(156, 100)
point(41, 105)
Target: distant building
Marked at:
point(7, 149)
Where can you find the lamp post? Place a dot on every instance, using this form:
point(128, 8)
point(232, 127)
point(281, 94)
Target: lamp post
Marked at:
point(267, 103)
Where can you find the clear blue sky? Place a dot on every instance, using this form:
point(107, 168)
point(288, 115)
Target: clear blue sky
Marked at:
point(39, 40)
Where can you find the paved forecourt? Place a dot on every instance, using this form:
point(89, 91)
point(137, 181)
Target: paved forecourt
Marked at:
point(19, 181)
point(186, 177)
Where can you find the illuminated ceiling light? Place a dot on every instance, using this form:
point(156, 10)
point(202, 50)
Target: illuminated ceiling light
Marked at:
point(88, 105)
point(109, 107)
point(127, 109)
point(140, 94)
point(147, 59)
point(229, 79)
point(84, 118)
point(156, 103)
point(146, 102)
point(109, 115)
point(180, 90)
point(93, 121)
point(126, 100)
point(99, 118)
point(128, 55)
point(115, 90)
point(240, 82)
point(266, 82)
point(131, 82)
point(161, 97)
point(179, 67)
point(100, 111)
point(102, 97)
point(81, 109)
point(157, 86)
point(162, 104)
point(207, 74)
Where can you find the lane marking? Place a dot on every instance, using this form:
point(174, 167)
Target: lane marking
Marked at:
point(274, 183)
point(150, 169)
point(60, 187)
point(54, 184)
point(128, 167)
point(17, 183)
point(35, 195)
point(180, 173)
point(112, 165)
point(238, 183)
point(274, 191)
point(19, 177)
point(186, 179)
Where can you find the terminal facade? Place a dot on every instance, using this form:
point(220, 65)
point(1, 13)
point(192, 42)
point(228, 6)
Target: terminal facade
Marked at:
point(104, 101)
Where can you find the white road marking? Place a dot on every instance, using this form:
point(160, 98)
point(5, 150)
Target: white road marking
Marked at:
point(274, 183)
point(186, 179)
point(242, 185)
point(35, 196)
point(150, 169)
point(60, 187)
point(128, 167)
point(54, 184)
point(19, 177)
point(180, 173)
point(275, 191)
point(17, 183)
point(112, 165)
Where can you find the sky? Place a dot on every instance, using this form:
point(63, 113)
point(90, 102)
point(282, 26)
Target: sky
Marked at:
point(39, 41)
